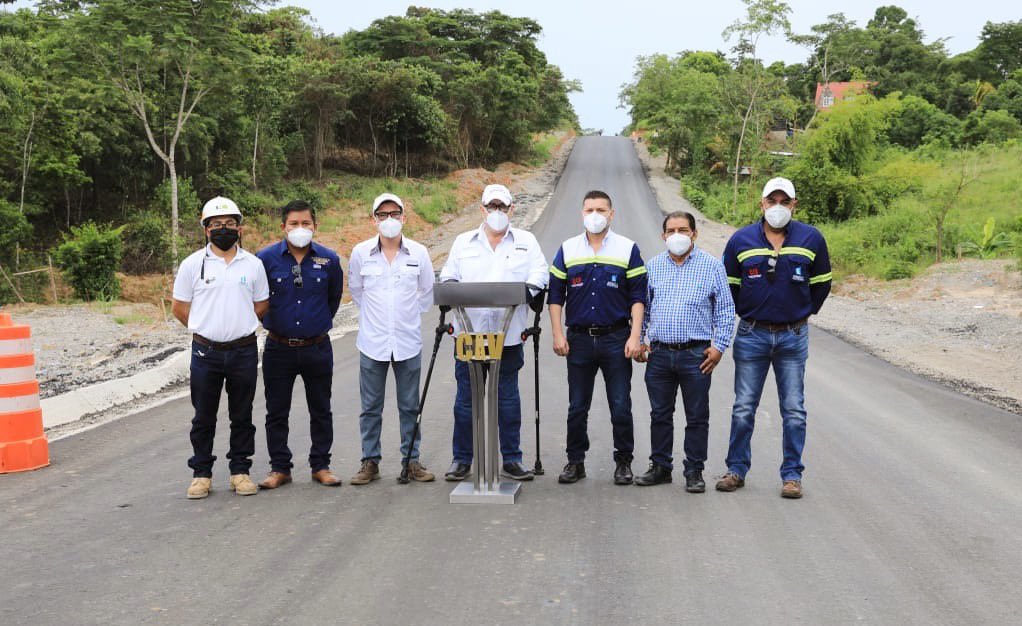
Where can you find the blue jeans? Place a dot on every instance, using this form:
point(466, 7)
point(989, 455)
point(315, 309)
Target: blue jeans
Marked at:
point(586, 356)
point(211, 371)
point(509, 409)
point(281, 366)
point(666, 371)
point(372, 383)
point(755, 350)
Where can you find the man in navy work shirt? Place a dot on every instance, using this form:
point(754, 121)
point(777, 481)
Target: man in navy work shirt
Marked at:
point(689, 320)
point(305, 290)
point(600, 278)
point(779, 273)
point(219, 294)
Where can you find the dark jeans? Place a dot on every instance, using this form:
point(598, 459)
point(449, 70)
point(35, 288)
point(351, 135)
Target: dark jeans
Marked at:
point(666, 371)
point(586, 355)
point(210, 370)
point(509, 409)
point(281, 365)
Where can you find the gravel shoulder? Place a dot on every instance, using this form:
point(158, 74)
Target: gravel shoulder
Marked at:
point(78, 345)
point(959, 323)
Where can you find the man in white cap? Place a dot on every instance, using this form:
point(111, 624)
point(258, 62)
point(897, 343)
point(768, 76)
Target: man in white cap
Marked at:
point(779, 273)
point(220, 294)
point(391, 281)
point(495, 252)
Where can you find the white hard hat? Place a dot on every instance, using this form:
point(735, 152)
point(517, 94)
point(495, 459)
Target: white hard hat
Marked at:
point(217, 207)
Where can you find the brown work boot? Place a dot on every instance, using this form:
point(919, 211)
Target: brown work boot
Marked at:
point(730, 481)
point(274, 480)
point(199, 488)
point(326, 478)
point(417, 471)
point(242, 485)
point(369, 472)
point(792, 489)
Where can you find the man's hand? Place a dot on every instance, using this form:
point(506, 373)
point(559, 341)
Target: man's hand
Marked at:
point(633, 348)
point(561, 345)
point(713, 357)
point(643, 354)
point(537, 300)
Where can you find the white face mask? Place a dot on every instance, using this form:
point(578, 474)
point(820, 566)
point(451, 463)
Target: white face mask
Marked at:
point(777, 216)
point(595, 223)
point(389, 227)
point(497, 220)
point(678, 244)
point(299, 237)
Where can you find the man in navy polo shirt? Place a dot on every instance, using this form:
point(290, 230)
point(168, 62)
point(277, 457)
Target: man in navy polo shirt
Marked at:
point(305, 290)
point(600, 278)
point(779, 273)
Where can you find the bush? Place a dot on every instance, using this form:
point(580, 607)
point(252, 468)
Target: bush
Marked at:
point(146, 243)
point(188, 205)
point(89, 257)
point(14, 228)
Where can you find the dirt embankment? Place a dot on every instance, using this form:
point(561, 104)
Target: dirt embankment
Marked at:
point(81, 344)
point(959, 323)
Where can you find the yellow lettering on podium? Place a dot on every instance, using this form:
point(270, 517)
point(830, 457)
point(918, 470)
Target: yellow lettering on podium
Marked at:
point(479, 346)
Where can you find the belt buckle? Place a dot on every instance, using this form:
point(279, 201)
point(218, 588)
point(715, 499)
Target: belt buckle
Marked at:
point(593, 332)
point(293, 342)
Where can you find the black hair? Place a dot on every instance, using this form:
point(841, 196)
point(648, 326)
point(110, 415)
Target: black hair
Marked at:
point(296, 206)
point(677, 215)
point(597, 194)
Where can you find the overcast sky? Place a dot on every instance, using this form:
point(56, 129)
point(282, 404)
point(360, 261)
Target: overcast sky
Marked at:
point(597, 41)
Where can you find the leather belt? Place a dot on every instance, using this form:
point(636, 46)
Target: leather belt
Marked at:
point(247, 340)
point(680, 346)
point(599, 331)
point(295, 342)
point(771, 326)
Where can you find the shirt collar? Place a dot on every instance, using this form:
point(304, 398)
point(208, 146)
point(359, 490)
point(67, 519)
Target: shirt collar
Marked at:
point(480, 234)
point(210, 254)
point(401, 248)
point(606, 238)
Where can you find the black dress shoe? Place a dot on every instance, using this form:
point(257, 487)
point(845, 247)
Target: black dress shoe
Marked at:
point(517, 471)
point(572, 473)
point(694, 483)
point(623, 473)
point(656, 475)
point(457, 472)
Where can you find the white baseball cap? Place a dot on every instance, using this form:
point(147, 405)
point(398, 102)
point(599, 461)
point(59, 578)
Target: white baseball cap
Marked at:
point(779, 184)
point(218, 207)
point(497, 192)
point(387, 197)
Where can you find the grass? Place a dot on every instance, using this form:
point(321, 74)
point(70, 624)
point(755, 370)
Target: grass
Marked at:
point(901, 240)
point(543, 145)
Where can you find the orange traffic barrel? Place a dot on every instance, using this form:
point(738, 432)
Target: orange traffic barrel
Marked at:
point(23, 444)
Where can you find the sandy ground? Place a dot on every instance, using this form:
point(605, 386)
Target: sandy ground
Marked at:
point(959, 323)
point(82, 344)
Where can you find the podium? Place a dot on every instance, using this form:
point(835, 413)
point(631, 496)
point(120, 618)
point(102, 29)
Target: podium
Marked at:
point(482, 352)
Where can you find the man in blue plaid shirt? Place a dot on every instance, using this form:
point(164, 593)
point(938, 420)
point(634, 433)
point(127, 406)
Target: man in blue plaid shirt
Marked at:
point(687, 327)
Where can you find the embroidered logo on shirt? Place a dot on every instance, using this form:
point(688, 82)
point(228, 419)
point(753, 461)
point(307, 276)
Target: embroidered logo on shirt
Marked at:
point(754, 273)
point(577, 281)
point(798, 276)
point(318, 260)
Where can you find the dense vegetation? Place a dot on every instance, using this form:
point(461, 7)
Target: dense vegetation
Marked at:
point(136, 111)
point(923, 166)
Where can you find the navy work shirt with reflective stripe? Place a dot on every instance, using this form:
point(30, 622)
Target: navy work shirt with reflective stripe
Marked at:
point(308, 311)
point(597, 290)
point(777, 287)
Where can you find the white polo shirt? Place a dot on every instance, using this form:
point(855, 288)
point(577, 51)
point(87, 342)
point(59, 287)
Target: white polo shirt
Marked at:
point(517, 258)
point(391, 298)
point(221, 294)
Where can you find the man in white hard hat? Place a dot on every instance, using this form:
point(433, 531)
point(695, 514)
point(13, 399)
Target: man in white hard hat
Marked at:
point(494, 252)
point(391, 281)
point(220, 294)
point(305, 291)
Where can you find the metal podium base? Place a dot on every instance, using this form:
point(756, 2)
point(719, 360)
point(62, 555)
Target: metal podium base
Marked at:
point(505, 493)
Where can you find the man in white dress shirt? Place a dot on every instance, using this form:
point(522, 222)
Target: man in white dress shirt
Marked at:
point(391, 280)
point(494, 252)
point(220, 294)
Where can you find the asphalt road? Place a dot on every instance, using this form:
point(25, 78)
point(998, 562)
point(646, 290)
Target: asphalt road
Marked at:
point(911, 514)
